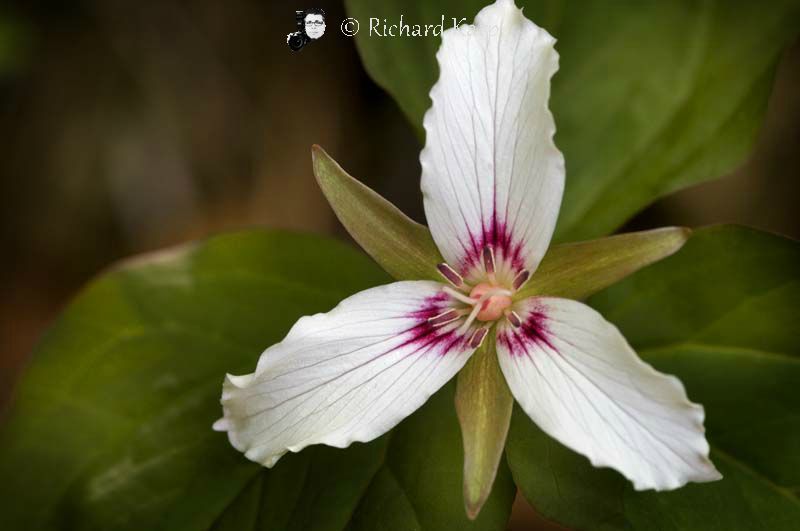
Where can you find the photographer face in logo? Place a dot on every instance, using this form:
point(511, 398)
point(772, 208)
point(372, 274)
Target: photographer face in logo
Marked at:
point(310, 26)
point(314, 23)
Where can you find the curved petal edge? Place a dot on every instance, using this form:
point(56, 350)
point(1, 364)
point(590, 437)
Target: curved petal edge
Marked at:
point(491, 173)
point(348, 375)
point(576, 376)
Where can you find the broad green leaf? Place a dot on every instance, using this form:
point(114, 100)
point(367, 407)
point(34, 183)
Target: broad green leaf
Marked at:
point(720, 314)
point(111, 428)
point(385, 502)
point(651, 96)
point(403, 247)
point(484, 404)
point(406, 249)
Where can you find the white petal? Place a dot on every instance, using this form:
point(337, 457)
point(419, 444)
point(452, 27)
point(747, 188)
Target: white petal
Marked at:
point(575, 375)
point(491, 174)
point(347, 375)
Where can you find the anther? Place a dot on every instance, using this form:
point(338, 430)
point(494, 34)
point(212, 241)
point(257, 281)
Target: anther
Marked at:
point(478, 336)
point(521, 278)
point(513, 318)
point(450, 274)
point(488, 259)
point(444, 318)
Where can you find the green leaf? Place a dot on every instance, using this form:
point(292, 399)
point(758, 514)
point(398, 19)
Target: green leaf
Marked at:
point(720, 314)
point(484, 404)
point(403, 247)
point(650, 96)
point(112, 425)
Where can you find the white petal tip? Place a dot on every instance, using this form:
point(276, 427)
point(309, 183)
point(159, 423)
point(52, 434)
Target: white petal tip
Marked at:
point(706, 476)
point(315, 387)
point(239, 381)
point(632, 418)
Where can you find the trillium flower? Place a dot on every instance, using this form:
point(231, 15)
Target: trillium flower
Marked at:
point(492, 180)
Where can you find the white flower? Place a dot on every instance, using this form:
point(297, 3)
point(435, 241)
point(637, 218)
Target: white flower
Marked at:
point(492, 180)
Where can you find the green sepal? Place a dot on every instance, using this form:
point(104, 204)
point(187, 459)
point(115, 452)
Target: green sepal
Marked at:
point(578, 270)
point(401, 246)
point(484, 404)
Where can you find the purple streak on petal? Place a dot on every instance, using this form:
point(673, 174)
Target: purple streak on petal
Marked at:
point(499, 238)
point(532, 332)
point(424, 335)
point(431, 306)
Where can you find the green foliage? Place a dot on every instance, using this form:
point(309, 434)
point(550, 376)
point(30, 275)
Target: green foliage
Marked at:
point(112, 425)
point(721, 315)
point(111, 428)
point(650, 96)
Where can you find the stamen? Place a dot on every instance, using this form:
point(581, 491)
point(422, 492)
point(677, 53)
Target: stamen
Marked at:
point(450, 274)
point(488, 259)
point(459, 296)
point(488, 263)
point(445, 317)
point(521, 278)
point(473, 314)
point(513, 318)
point(478, 336)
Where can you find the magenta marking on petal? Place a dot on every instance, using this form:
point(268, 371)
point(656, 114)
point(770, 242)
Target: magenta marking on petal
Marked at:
point(533, 332)
point(503, 245)
point(431, 306)
point(428, 333)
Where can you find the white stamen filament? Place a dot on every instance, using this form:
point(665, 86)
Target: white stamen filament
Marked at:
point(458, 295)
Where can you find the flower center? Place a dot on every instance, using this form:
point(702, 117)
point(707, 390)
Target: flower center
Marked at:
point(495, 301)
point(488, 300)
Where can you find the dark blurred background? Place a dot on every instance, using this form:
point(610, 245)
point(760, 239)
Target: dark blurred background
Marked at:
point(128, 126)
